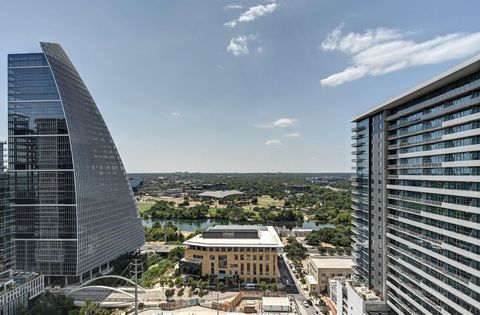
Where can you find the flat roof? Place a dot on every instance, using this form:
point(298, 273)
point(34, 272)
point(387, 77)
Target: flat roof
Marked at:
point(233, 228)
point(277, 301)
point(268, 238)
point(220, 193)
point(449, 76)
point(311, 279)
point(329, 262)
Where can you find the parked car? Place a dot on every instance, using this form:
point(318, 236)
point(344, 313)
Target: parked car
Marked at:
point(305, 304)
point(250, 286)
point(287, 283)
point(310, 302)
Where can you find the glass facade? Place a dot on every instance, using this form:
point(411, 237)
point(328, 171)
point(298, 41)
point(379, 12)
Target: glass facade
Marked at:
point(6, 219)
point(74, 208)
point(431, 193)
point(361, 200)
point(433, 226)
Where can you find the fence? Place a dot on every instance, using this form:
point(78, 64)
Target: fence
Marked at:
point(175, 305)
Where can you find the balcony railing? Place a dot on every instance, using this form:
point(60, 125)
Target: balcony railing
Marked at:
point(402, 145)
point(418, 200)
point(420, 165)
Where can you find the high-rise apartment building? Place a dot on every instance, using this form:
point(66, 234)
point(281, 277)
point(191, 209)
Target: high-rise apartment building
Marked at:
point(7, 251)
point(74, 209)
point(417, 196)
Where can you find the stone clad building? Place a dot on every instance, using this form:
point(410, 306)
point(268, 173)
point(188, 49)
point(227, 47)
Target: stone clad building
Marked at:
point(248, 253)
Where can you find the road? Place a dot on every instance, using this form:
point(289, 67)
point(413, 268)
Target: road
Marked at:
point(295, 289)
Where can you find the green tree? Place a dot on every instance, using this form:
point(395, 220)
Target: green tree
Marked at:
point(169, 293)
point(180, 292)
point(263, 286)
point(93, 308)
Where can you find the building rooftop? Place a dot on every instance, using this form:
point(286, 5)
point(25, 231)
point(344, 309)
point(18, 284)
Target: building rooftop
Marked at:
point(332, 262)
point(311, 279)
point(276, 301)
point(220, 193)
point(365, 293)
point(220, 236)
point(470, 66)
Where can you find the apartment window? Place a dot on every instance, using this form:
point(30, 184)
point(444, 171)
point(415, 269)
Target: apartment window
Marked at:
point(242, 257)
point(212, 257)
point(267, 257)
point(260, 257)
point(235, 257)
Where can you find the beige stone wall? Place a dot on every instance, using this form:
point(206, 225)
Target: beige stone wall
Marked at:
point(250, 266)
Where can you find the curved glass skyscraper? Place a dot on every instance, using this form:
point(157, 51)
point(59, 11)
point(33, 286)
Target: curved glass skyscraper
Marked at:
point(74, 208)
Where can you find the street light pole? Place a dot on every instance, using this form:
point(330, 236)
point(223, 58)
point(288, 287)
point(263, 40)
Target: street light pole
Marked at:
point(136, 284)
point(217, 294)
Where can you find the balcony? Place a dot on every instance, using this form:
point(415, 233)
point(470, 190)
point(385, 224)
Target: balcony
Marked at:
point(358, 144)
point(358, 136)
point(358, 128)
point(421, 165)
point(414, 234)
point(448, 107)
point(437, 99)
point(358, 160)
point(412, 144)
point(358, 152)
point(417, 200)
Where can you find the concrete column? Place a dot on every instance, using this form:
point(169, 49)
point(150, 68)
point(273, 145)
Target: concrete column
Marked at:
point(81, 278)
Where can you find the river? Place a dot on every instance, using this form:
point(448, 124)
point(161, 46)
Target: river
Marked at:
point(193, 225)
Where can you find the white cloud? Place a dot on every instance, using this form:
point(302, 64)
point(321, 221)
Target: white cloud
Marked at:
point(253, 13)
point(175, 114)
point(231, 24)
point(292, 135)
point(238, 46)
point(257, 11)
point(272, 143)
point(382, 50)
point(232, 7)
point(281, 123)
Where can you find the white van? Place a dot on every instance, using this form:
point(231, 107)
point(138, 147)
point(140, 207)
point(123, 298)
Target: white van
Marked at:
point(250, 286)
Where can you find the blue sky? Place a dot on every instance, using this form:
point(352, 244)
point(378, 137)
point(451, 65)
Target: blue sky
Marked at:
point(245, 86)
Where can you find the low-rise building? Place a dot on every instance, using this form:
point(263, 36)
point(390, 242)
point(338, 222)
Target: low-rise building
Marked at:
point(18, 290)
point(245, 252)
point(276, 304)
point(323, 268)
point(352, 298)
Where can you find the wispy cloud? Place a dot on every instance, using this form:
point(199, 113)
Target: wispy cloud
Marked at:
point(253, 13)
point(292, 135)
point(175, 114)
point(232, 7)
point(238, 46)
point(382, 50)
point(273, 143)
point(281, 123)
point(231, 24)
